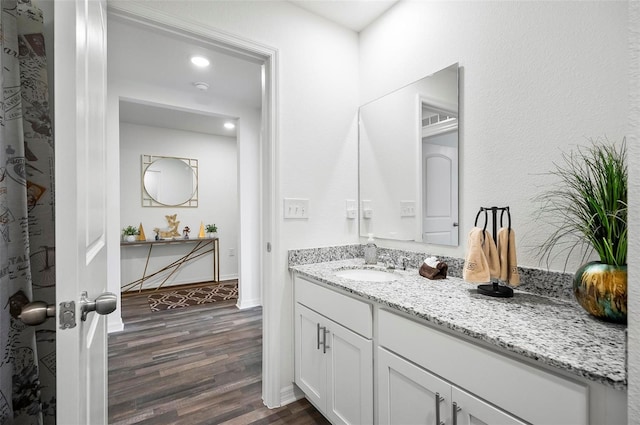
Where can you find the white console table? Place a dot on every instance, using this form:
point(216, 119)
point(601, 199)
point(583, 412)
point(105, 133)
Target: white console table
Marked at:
point(200, 247)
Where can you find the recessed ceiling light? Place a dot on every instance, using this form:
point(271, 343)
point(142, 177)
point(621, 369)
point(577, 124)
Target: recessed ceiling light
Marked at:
point(229, 125)
point(200, 61)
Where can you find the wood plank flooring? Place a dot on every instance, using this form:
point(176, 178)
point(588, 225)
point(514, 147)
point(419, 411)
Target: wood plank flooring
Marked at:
point(195, 365)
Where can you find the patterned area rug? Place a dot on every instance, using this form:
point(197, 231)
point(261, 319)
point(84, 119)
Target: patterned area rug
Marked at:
point(193, 296)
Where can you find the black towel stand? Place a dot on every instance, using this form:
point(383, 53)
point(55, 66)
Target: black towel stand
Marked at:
point(494, 289)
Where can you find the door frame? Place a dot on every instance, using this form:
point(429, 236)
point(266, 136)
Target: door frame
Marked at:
point(269, 155)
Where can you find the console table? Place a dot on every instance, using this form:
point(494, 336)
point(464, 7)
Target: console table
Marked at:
point(200, 247)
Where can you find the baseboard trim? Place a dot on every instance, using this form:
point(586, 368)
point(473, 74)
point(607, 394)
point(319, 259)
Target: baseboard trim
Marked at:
point(245, 304)
point(115, 325)
point(289, 394)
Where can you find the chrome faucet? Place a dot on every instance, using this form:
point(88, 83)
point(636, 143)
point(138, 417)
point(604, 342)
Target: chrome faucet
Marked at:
point(404, 261)
point(388, 262)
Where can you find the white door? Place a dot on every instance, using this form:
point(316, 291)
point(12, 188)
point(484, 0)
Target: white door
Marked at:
point(440, 194)
point(310, 360)
point(350, 376)
point(408, 394)
point(80, 87)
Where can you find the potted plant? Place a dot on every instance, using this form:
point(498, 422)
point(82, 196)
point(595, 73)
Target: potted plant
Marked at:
point(588, 210)
point(130, 233)
point(212, 230)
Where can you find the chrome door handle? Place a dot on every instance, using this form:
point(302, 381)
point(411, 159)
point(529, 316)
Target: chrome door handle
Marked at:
point(439, 399)
point(103, 304)
point(36, 313)
point(324, 340)
point(454, 413)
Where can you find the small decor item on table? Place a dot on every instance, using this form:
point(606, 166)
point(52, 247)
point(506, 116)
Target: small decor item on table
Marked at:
point(589, 207)
point(185, 232)
point(201, 232)
point(130, 233)
point(141, 235)
point(171, 230)
point(212, 230)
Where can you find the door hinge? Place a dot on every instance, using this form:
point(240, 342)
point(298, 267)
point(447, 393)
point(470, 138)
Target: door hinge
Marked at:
point(268, 246)
point(67, 315)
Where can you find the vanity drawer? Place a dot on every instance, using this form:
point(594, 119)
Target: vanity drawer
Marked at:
point(528, 392)
point(349, 312)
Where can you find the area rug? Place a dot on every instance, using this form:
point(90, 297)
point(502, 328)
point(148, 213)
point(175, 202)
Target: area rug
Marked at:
point(193, 296)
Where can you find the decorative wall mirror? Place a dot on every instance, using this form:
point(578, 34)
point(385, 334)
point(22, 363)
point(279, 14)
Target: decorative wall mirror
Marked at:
point(408, 162)
point(169, 181)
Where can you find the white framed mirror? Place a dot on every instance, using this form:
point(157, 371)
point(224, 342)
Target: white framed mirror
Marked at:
point(169, 181)
point(408, 162)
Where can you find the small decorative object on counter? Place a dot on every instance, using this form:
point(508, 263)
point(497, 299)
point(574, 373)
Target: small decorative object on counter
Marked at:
point(588, 209)
point(433, 269)
point(185, 232)
point(370, 251)
point(212, 230)
point(130, 233)
point(141, 235)
point(201, 231)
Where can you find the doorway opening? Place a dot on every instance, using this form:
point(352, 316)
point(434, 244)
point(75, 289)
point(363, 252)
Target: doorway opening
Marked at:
point(257, 190)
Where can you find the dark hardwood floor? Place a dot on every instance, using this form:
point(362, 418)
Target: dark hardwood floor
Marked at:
point(195, 365)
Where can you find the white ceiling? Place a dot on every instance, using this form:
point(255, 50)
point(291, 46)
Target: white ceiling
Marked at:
point(159, 60)
point(352, 14)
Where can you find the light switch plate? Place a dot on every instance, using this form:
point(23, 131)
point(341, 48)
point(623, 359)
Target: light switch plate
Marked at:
point(352, 209)
point(296, 208)
point(367, 209)
point(407, 208)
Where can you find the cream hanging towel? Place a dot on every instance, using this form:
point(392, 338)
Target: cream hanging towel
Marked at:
point(507, 252)
point(482, 262)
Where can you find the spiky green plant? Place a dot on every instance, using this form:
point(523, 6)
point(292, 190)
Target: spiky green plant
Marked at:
point(588, 205)
point(130, 231)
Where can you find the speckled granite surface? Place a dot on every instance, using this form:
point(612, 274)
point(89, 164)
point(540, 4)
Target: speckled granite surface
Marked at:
point(536, 281)
point(556, 332)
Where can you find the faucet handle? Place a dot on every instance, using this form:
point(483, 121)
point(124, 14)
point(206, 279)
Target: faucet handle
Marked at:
point(404, 261)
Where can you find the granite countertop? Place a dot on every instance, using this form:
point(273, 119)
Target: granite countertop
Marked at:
point(555, 332)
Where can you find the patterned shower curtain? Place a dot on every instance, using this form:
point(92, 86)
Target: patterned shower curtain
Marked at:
point(27, 256)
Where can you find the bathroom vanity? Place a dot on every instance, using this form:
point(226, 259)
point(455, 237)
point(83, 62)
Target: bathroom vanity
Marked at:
point(396, 348)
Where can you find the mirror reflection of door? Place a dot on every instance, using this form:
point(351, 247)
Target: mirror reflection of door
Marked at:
point(439, 177)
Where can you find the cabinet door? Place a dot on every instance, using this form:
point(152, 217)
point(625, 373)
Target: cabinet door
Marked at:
point(310, 365)
point(473, 411)
point(407, 393)
point(349, 377)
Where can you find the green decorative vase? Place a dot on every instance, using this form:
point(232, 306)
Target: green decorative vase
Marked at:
point(601, 289)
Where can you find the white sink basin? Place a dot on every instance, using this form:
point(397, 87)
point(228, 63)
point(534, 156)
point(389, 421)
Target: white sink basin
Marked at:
point(367, 275)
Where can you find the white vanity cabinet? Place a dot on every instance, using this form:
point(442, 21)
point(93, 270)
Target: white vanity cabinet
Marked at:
point(334, 353)
point(416, 360)
point(409, 394)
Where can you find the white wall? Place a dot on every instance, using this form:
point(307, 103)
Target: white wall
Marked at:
point(536, 77)
point(217, 197)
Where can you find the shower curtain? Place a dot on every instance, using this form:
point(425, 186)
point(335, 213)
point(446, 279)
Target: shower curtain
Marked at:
point(27, 256)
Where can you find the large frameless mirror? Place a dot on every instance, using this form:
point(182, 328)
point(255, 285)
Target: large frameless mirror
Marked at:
point(408, 162)
point(169, 181)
